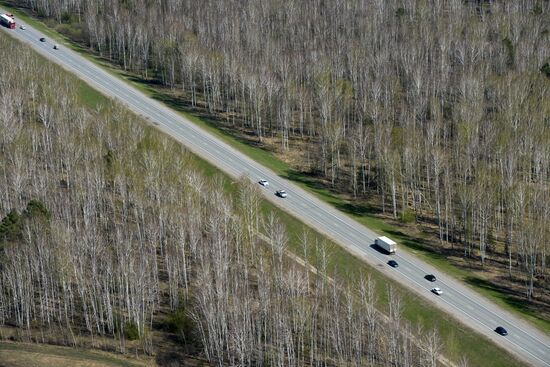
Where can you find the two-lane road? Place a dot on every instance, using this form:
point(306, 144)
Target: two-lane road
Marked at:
point(525, 341)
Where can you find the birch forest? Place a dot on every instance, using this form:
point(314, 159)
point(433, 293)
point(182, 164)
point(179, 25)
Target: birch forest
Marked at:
point(111, 233)
point(435, 110)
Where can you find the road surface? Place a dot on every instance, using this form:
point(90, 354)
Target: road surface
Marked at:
point(523, 340)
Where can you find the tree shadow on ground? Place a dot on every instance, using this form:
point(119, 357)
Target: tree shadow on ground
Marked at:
point(313, 181)
point(308, 179)
point(360, 210)
point(176, 359)
point(411, 242)
point(149, 82)
point(420, 244)
point(513, 297)
point(184, 105)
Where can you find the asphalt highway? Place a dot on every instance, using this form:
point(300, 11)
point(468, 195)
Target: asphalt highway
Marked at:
point(523, 340)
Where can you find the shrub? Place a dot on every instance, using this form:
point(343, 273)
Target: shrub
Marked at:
point(510, 51)
point(10, 227)
point(66, 17)
point(400, 12)
point(407, 216)
point(131, 331)
point(178, 322)
point(36, 209)
point(537, 9)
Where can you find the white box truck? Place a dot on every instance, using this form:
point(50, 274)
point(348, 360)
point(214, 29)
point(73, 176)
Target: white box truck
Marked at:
point(386, 244)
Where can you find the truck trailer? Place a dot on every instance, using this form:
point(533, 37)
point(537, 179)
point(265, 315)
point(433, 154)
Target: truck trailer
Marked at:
point(386, 244)
point(7, 21)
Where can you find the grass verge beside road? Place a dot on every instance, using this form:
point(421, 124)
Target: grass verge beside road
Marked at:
point(362, 213)
point(458, 341)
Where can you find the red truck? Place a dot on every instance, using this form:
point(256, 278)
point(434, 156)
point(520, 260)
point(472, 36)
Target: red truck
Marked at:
point(7, 20)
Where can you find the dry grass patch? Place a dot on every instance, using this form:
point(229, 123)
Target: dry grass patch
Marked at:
point(30, 355)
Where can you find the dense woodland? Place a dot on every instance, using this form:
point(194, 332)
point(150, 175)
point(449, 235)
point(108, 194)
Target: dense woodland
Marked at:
point(439, 109)
point(108, 226)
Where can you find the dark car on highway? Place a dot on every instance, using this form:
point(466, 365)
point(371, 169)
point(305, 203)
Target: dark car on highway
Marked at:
point(393, 263)
point(42, 39)
point(502, 331)
point(430, 277)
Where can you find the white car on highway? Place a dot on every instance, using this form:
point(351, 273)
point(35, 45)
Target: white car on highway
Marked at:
point(437, 291)
point(281, 193)
point(263, 182)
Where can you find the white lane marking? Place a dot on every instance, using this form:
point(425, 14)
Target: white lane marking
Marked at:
point(331, 232)
point(92, 78)
point(473, 301)
point(481, 322)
